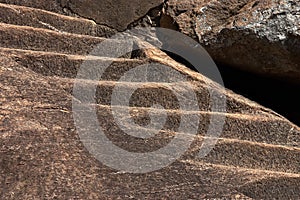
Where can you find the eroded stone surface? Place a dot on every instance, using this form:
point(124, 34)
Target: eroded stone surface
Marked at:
point(26, 16)
point(117, 15)
point(256, 36)
point(42, 156)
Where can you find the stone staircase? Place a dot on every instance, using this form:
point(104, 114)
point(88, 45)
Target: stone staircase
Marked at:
point(42, 157)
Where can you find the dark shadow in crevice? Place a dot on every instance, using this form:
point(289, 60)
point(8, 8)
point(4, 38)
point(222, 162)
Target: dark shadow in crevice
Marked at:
point(278, 95)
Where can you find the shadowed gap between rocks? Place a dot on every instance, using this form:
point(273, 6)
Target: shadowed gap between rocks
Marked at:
point(278, 95)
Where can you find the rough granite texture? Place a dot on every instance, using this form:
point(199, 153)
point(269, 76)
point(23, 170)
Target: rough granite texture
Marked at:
point(109, 13)
point(41, 156)
point(256, 36)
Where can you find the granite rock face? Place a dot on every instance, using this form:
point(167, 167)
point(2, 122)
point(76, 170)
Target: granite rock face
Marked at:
point(111, 13)
point(43, 157)
point(114, 14)
point(256, 36)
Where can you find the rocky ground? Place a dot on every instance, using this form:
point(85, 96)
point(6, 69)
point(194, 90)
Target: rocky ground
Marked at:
point(44, 43)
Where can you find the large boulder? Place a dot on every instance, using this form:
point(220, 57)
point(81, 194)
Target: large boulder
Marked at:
point(256, 36)
point(43, 154)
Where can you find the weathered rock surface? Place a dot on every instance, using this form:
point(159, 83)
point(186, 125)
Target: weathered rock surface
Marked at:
point(52, 5)
point(106, 12)
point(117, 15)
point(256, 36)
point(26, 16)
point(42, 157)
